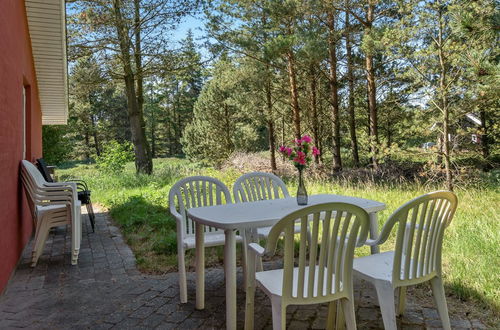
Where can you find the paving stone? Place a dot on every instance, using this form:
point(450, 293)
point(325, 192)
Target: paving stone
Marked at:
point(456, 323)
point(178, 316)
point(412, 317)
point(115, 317)
point(430, 313)
point(298, 325)
point(191, 323)
point(367, 314)
point(166, 326)
point(304, 314)
point(153, 320)
point(142, 312)
point(476, 324)
point(319, 323)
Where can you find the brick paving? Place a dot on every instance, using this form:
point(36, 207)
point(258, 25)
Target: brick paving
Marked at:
point(106, 291)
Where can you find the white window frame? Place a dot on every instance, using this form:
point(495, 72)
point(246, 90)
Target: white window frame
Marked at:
point(24, 123)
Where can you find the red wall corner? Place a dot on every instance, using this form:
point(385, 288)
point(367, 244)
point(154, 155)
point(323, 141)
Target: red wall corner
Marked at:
point(16, 71)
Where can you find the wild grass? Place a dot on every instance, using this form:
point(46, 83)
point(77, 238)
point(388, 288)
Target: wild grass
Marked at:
point(139, 204)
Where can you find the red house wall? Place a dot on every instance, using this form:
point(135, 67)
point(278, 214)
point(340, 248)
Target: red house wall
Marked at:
point(16, 70)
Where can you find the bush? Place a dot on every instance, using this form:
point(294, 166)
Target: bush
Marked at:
point(56, 145)
point(114, 157)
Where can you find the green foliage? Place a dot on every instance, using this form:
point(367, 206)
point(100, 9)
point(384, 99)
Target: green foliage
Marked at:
point(221, 123)
point(114, 157)
point(57, 147)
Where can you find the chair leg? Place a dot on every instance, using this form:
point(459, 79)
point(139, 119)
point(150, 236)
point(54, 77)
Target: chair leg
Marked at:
point(331, 322)
point(385, 293)
point(244, 257)
point(440, 300)
point(182, 275)
point(350, 316)
point(39, 243)
point(260, 266)
point(90, 212)
point(401, 300)
point(76, 236)
point(250, 292)
point(279, 313)
point(256, 239)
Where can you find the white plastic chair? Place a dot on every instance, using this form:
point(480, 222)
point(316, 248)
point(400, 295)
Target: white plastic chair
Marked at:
point(257, 186)
point(51, 205)
point(196, 191)
point(416, 257)
point(324, 272)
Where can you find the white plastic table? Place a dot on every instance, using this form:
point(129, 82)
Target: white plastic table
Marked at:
point(251, 215)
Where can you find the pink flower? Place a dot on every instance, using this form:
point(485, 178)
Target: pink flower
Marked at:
point(306, 139)
point(298, 142)
point(288, 151)
point(301, 158)
point(316, 151)
point(282, 148)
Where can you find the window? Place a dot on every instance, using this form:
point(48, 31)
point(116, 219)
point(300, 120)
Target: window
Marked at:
point(24, 122)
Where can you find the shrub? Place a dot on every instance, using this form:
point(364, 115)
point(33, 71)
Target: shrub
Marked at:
point(114, 157)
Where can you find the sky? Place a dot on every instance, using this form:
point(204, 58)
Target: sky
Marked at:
point(194, 23)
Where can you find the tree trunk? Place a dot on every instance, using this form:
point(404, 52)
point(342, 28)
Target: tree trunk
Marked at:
point(334, 94)
point(350, 106)
point(294, 93)
point(143, 162)
point(229, 143)
point(94, 134)
point(444, 104)
point(87, 143)
point(371, 89)
point(283, 136)
point(314, 106)
point(153, 133)
point(270, 124)
point(485, 147)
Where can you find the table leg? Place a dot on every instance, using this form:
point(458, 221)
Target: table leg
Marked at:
point(374, 231)
point(200, 265)
point(230, 272)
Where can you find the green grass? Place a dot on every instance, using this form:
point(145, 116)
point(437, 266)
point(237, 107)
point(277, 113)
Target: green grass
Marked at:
point(139, 204)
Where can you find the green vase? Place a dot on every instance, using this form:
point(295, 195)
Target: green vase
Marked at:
point(301, 190)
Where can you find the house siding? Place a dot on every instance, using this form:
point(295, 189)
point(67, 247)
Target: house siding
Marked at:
point(16, 70)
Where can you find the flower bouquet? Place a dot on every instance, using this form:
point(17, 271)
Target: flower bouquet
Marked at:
point(301, 156)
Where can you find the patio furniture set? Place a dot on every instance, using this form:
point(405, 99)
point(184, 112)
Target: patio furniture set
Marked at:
point(318, 246)
point(318, 241)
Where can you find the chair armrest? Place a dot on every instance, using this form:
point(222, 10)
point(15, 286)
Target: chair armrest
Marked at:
point(79, 183)
point(372, 242)
point(257, 249)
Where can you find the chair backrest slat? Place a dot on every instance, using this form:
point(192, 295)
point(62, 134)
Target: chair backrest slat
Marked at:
point(302, 255)
point(418, 240)
point(196, 191)
point(313, 255)
point(323, 252)
point(422, 222)
point(258, 186)
point(327, 272)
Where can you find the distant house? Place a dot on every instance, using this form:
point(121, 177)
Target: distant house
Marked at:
point(470, 120)
point(33, 92)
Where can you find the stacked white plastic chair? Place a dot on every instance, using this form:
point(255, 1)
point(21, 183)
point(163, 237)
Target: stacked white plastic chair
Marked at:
point(324, 272)
point(196, 191)
point(416, 257)
point(51, 205)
